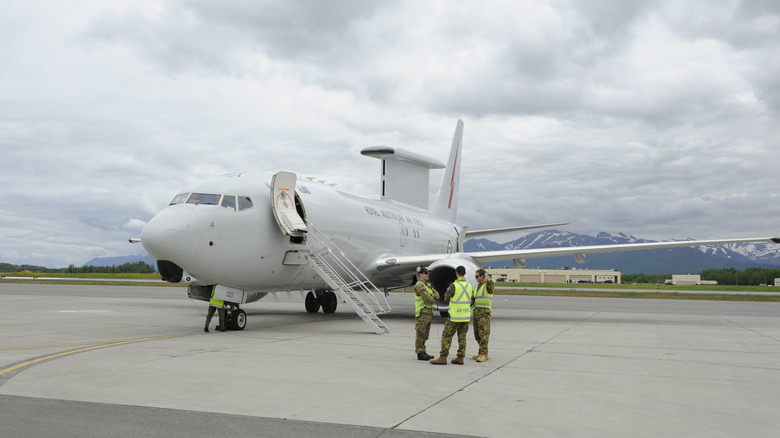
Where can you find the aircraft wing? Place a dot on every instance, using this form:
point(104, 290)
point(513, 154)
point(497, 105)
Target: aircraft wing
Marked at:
point(577, 251)
point(477, 233)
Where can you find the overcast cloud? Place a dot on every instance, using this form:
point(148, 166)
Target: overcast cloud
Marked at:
point(654, 118)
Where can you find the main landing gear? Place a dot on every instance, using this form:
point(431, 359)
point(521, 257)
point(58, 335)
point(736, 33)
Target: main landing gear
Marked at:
point(235, 318)
point(321, 297)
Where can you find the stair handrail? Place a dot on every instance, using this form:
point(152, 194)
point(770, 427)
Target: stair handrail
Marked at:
point(349, 268)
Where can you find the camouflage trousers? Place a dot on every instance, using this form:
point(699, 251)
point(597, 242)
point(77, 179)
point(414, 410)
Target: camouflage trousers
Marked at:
point(481, 318)
point(220, 311)
point(423, 329)
point(450, 328)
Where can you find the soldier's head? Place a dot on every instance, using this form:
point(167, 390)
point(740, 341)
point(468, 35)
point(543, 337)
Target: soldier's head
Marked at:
point(461, 271)
point(481, 275)
point(423, 271)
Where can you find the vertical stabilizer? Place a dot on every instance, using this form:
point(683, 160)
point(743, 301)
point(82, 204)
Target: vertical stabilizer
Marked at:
point(446, 204)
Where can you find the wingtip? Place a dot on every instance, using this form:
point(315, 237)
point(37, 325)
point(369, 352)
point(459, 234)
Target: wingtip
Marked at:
point(775, 239)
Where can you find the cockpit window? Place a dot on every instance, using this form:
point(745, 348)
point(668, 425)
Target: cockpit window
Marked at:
point(179, 199)
point(244, 203)
point(204, 198)
point(229, 202)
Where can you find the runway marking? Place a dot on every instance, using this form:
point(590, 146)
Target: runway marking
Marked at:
point(7, 373)
point(93, 343)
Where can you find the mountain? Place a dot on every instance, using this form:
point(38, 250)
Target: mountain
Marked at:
point(121, 260)
point(660, 261)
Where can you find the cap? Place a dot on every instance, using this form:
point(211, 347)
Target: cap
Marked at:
point(422, 271)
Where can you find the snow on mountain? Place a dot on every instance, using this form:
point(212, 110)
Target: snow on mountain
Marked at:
point(761, 252)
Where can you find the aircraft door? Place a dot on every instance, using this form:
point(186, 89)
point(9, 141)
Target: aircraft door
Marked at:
point(283, 204)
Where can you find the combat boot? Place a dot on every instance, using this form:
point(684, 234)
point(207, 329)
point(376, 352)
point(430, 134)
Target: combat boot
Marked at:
point(424, 356)
point(457, 361)
point(475, 356)
point(442, 360)
point(482, 358)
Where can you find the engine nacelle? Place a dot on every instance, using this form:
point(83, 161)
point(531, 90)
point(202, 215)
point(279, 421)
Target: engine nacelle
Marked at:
point(443, 274)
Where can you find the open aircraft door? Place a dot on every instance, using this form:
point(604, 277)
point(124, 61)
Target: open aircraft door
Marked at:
point(283, 204)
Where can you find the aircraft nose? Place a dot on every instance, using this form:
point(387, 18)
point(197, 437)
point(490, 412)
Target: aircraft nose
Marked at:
point(172, 235)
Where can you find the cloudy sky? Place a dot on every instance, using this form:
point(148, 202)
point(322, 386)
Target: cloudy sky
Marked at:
point(653, 118)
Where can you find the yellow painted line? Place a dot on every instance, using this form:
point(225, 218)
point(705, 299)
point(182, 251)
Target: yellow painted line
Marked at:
point(20, 366)
point(80, 350)
point(37, 347)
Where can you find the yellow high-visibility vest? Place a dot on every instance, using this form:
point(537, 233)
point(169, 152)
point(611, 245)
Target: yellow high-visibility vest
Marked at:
point(460, 303)
point(482, 298)
point(215, 302)
point(419, 304)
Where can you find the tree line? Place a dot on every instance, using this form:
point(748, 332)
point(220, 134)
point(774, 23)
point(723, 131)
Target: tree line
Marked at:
point(726, 276)
point(138, 267)
point(748, 277)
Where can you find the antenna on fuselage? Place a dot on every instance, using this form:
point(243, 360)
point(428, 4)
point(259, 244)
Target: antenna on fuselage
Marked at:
point(404, 176)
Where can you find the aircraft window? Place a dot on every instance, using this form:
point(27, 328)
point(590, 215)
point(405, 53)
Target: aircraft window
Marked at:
point(229, 202)
point(244, 203)
point(179, 199)
point(204, 198)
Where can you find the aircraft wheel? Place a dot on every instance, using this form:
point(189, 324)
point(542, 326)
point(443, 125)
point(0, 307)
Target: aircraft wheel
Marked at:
point(312, 304)
point(238, 320)
point(329, 302)
point(228, 319)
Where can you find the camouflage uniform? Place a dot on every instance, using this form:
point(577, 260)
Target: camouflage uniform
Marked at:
point(481, 318)
point(215, 305)
point(423, 324)
point(451, 327)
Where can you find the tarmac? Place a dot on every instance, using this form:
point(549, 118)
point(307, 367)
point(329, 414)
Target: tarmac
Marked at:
point(128, 361)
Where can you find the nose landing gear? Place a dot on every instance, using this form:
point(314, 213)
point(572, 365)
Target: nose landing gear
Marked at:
point(235, 318)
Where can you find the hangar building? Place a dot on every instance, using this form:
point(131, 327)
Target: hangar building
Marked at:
point(514, 275)
point(688, 280)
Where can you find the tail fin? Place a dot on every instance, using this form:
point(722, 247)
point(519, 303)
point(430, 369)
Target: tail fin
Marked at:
point(446, 204)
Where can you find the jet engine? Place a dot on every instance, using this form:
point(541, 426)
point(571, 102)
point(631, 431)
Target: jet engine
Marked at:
point(443, 274)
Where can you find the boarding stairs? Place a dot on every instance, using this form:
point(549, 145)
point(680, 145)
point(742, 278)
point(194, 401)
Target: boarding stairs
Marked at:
point(346, 280)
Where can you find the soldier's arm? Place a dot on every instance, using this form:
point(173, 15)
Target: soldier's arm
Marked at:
point(489, 286)
point(450, 293)
point(426, 296)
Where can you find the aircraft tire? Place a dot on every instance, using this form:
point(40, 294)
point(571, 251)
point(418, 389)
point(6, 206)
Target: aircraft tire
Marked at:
point(312, 304)
point(238, 320)
point(330, 302)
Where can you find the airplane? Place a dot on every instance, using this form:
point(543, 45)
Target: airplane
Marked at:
point(240, 237)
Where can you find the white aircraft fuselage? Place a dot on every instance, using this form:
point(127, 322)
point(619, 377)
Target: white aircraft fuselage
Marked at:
point(246, 249)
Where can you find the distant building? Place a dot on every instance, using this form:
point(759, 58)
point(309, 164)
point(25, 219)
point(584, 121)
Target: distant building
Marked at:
point(777, 281)
point(689, 280)
point(513, 275)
